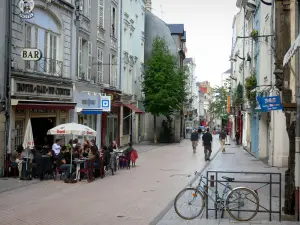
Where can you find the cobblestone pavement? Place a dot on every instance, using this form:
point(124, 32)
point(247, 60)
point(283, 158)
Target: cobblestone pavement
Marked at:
point(237, 159)
point(132, 196)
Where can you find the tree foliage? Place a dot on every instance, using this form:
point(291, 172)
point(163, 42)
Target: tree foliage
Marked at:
point(164, 83)
point(218, 104)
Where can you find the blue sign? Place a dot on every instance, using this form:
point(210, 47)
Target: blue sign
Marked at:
point(106, 103)
point(270, 103)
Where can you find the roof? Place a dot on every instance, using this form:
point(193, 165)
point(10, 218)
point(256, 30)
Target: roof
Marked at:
point(176, 28)
point(188, 60)
point(227, 71)
point(183, 38)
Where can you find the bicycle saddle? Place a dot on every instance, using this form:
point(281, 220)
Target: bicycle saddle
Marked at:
point(229, 179)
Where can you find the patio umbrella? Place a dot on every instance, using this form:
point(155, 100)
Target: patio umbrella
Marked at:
point(28, 142)
point(72, 129)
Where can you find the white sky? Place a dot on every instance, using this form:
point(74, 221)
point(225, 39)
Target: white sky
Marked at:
point(208, 24)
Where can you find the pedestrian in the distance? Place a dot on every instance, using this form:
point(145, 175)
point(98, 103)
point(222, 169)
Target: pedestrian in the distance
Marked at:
point(195, 140)
point(223, 136)
point(237, 137)
point(207, 142)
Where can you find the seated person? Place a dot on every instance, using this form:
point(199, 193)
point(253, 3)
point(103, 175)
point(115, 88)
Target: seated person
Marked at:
point(16, 159)
point(94, 156)
point(62, 163)
point(86, 150)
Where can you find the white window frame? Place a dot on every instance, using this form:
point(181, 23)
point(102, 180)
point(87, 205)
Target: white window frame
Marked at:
point(90, 61)
point(99, 65)
point(100, 18)
point(48, 57)
point(89, 9)
point(79, 66)
point(111, 71)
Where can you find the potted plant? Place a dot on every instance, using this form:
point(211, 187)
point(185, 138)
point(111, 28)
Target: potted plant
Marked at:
point(254, 34)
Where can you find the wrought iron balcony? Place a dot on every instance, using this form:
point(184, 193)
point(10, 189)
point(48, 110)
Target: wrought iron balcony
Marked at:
point(45, 66)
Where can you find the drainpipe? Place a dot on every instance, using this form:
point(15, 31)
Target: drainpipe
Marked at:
point(297, 150)
point(271, 67)
point(121, 44)
point(7, 78)
point(244, 34)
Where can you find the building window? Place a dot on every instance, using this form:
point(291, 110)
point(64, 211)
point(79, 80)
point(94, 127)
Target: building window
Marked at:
point(89, 9)
point(113, 21)
point(19, 133)
point(112, 71)
point(101, 13)
point(84, 59)
point(99, 65)
point(48, 42)
point(126, 121)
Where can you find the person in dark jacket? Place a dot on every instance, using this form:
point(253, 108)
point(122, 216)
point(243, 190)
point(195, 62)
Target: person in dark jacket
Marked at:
point(207, 142)
point(195, 140)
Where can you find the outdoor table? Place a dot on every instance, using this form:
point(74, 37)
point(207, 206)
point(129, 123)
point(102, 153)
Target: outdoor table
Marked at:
point(25, 175)
point(78, 162)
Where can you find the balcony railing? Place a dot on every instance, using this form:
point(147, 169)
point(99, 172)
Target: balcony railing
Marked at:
point(45, 66)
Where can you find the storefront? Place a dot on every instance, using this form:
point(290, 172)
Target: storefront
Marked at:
point(46, 105)
point(88, 111)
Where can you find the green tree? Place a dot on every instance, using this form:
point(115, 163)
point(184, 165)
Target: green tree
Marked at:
point(164, 82)
point(218, 103)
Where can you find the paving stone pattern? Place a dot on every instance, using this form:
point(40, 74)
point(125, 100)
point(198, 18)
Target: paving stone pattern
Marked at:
point(129, 197)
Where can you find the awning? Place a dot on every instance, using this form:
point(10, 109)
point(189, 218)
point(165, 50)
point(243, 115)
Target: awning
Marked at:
point(91, 111)
point(291, 52)
point(134, 108)
point(33, 104)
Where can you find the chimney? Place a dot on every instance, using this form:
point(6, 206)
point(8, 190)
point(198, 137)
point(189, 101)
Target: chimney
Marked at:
point(148, 5)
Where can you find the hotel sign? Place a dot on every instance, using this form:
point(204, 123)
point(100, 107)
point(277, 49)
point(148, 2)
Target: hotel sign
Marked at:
point(21, 88)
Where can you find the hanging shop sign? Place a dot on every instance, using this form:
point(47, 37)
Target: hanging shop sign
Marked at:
point(105, 103)
point(21, 88)
point(26, 7)
point(270, 103)
point(31, 54)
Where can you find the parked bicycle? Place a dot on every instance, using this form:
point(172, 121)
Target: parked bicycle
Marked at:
point(232, 200)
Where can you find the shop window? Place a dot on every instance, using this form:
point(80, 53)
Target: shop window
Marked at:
point(88, 120)
point(126, 120)
point(19, 133)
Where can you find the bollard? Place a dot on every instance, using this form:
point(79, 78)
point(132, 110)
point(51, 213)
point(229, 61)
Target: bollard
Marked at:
point(212, 181)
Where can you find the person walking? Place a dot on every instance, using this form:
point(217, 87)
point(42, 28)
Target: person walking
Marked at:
point(223, 136)
point(195, 140)
point(207, 142)
point(237, 137)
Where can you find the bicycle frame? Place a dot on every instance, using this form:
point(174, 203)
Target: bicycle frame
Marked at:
point(218, 199)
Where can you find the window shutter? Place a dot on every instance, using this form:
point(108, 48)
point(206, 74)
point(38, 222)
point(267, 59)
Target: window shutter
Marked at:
point(101, 13)
point(99, 65)
point(89, 67)
point(89, 9)
point(79, 66)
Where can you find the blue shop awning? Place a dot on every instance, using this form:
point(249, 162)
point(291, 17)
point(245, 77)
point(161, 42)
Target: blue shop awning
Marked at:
point(91, 111)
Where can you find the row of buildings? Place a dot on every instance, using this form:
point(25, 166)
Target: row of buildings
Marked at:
point(262, 133)
point(90, 49)
point(265, 63)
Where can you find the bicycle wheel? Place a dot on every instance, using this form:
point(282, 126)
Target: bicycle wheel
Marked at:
point(238, 198)
point(195, 196)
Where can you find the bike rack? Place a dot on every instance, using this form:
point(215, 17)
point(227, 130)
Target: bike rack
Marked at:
point(264, 183)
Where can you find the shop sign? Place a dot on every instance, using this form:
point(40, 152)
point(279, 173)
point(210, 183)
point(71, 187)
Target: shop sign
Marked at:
point(106, 103)
point(31, 54)
point(88, 102)
point(31, 89)
point(270, 103)
point(26, 7)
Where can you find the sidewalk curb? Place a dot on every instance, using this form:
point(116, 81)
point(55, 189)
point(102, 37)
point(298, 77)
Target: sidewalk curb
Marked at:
point(171, 203)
